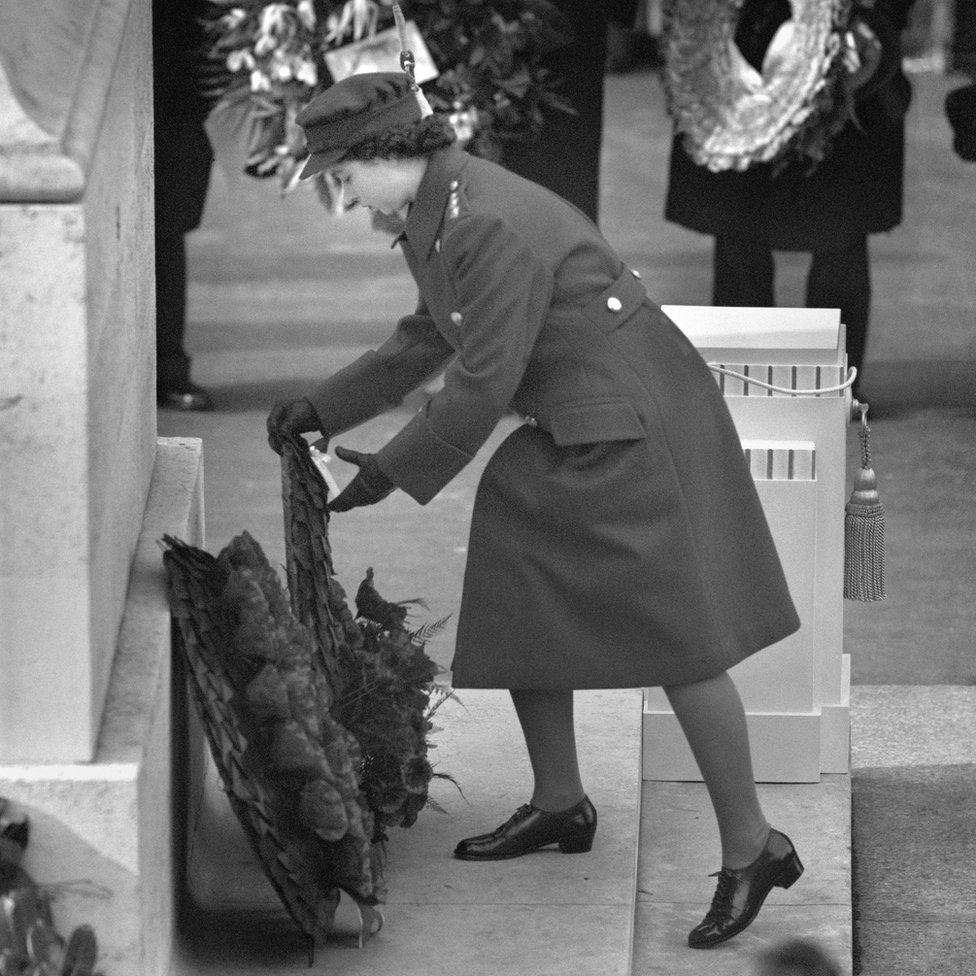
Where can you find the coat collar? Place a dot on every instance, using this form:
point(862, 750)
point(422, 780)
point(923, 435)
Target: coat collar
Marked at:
point(427, 211)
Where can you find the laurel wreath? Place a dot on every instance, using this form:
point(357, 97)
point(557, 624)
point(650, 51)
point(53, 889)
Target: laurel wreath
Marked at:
point(317, 719)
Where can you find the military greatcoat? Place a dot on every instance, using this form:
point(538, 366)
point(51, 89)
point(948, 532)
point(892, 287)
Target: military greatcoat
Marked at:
point(617, 539)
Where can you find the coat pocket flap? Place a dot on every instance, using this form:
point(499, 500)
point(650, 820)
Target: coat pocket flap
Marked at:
point(591, 421)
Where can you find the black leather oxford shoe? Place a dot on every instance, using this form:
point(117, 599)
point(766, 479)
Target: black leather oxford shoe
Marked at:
point(741, 892)
point(184, 396)
point(529, 828)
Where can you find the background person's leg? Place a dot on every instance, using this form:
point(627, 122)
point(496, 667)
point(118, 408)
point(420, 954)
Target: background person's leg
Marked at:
point(743, 272)
point(841, 278)
point(172, 362)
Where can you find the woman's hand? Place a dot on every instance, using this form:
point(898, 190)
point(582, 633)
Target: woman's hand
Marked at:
point(289, 418)
point(368, 487)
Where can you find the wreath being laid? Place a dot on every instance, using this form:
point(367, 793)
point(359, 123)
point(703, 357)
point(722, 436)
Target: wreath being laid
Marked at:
point(317, 720)
point(272, 57)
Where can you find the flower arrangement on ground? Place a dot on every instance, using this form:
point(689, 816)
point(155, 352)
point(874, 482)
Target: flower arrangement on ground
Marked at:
point(29, 943)
point(487, 56)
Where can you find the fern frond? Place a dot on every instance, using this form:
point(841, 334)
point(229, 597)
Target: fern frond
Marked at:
point(451, 780)
point(429, 630)
point(442, 694)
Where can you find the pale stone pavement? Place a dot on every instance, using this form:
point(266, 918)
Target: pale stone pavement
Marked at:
point(282, 294)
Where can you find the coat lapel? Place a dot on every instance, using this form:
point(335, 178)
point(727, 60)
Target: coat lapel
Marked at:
point(427, 212)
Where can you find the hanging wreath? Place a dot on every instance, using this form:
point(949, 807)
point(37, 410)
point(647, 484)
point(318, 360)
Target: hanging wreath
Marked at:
point(484, 68)
point(733, 114)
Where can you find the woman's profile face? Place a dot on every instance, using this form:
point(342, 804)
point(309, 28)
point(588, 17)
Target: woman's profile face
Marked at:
point(375, 183)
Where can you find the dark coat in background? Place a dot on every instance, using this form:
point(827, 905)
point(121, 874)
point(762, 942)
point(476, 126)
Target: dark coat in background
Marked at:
point(617, 538)
point(565, 156)
point(857, 191)
point(183, 155)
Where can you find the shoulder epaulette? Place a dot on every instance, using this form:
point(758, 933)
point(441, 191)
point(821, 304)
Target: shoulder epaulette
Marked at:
point(454, 201)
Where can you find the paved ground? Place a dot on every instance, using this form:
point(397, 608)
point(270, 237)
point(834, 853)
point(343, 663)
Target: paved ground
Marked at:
point(281, 294)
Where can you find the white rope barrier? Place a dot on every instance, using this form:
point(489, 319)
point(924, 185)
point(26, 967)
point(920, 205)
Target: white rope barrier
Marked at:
point(851, 376)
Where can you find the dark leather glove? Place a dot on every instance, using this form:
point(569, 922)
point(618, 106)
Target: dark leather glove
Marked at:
point(368, 487)
point(290, 418)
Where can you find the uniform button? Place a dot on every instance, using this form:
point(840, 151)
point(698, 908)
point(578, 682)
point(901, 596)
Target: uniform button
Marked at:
point(456, 318)
point(454, 184)
point(614, 303)
point(636, 274)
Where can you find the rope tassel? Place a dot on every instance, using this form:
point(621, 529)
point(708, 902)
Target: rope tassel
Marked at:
point(864, 527)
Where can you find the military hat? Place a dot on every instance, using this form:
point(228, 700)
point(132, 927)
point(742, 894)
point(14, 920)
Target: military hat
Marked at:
point(352, 111)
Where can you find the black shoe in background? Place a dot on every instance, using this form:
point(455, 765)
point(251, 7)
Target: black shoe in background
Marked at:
point(185, 396)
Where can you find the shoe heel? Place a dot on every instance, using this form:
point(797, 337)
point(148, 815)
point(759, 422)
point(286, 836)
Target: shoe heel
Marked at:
point(578, 844)
point(791, 870)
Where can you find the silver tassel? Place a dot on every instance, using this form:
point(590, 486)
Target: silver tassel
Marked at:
point(864, 529)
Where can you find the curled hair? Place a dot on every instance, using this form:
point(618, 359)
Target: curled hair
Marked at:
point(419, 138)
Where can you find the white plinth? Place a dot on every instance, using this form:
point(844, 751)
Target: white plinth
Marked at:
point(796, 693)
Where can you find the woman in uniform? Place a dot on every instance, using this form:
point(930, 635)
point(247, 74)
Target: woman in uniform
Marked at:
point(617, 539)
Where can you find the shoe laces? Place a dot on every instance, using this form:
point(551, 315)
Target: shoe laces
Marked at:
point(722, 900)
point(520, 814)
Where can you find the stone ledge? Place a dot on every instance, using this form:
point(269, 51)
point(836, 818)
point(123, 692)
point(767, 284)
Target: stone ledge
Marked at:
point(679, 848)
point(913, 725)
point(108, 822)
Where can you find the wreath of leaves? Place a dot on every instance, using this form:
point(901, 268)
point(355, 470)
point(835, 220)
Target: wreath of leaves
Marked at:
point(382, 679)
point(727, 127)
point(288, 768)
point(267, 59)
point(318, 721)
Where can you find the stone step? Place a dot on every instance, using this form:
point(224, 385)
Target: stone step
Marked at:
point(679, 848)
point(547, 914)
point(913, 771)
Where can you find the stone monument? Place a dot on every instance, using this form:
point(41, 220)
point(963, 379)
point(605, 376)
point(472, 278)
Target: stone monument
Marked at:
point(86, 488)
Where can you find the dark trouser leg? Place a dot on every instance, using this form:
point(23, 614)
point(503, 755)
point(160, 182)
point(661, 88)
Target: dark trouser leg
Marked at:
point(743, 273)
point(842, 279)
point(565, 156)
point(172, 362)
